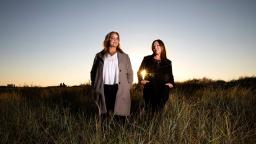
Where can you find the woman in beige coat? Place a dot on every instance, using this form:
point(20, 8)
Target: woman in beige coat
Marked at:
point(112, 77)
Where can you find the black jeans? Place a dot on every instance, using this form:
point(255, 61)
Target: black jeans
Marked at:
point(155, 97)
point(110, 96)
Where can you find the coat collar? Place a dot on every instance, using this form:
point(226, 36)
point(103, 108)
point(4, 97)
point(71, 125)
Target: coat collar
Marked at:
point(102, 53)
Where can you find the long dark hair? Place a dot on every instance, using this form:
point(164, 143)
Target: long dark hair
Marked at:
point(106, 43)
point(163, 52)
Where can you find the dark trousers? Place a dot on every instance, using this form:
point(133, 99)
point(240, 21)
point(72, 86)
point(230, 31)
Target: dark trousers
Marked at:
point(110, 96)
point(155, 97)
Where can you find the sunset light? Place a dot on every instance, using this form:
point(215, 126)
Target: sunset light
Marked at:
point(45, 43)
point(127, 71)
point(143, 74)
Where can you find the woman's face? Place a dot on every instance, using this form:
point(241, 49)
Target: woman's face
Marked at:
point(114, 40)
point(157, 48)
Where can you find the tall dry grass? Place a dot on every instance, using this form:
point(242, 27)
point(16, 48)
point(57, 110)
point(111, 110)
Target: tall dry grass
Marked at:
point(197, 112)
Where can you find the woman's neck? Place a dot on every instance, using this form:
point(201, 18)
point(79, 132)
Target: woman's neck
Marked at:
point(157, 57)
point(112, 50)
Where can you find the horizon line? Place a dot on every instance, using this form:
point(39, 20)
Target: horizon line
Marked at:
point(89, 82)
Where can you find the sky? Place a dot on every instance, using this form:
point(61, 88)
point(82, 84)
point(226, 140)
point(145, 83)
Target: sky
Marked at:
point(47, 42)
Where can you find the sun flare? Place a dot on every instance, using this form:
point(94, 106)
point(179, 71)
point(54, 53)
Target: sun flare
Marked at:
point(143, 73)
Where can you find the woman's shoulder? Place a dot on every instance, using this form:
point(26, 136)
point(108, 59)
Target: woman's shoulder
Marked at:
point(168, 61)
point(122, 53)
point(148, 57)
point(100, 55)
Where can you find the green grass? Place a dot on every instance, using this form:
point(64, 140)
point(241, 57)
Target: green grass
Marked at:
point(197, 112)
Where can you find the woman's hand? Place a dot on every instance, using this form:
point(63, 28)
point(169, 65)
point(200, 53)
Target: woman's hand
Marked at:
point(169, 85)
point(143, 82)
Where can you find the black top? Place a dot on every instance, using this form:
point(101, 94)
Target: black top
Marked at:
point(158, 71)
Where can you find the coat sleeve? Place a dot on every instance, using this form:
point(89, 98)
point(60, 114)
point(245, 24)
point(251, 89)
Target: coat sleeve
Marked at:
point(129, 71)
point(93, 70)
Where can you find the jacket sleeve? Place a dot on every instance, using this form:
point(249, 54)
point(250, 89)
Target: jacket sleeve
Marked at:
point(93, 70)
point(129, 71)
point(171, 79)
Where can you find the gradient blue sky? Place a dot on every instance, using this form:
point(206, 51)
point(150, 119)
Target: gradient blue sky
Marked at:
point(45, 42)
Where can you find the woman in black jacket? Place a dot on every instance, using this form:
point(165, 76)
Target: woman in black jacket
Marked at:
point(155, 74)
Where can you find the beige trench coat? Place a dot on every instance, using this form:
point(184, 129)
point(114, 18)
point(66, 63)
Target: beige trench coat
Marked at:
point(123, 99)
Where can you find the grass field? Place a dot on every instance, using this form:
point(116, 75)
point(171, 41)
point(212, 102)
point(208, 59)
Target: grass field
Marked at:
point(198, 111)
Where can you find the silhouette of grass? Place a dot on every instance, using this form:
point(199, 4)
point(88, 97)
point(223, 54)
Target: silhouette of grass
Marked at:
point(198, 111)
